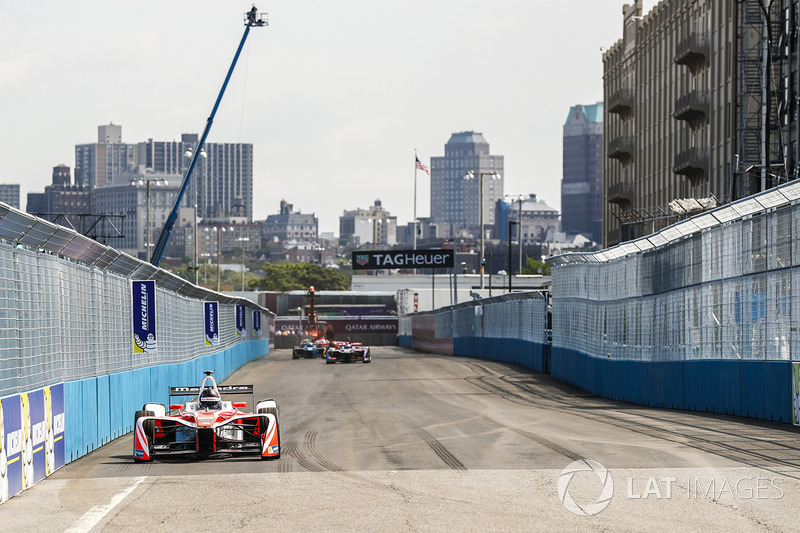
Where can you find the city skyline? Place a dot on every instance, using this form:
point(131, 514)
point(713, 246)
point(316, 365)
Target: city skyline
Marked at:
point(334, 102)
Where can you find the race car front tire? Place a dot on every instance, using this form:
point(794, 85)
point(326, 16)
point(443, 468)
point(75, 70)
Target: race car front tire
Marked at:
point(149, 427)
point(274, 412)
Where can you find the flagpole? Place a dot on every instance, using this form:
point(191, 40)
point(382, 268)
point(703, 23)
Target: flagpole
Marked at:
point(415, 198)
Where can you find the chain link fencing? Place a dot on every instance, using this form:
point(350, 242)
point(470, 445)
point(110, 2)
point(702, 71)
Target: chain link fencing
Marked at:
point(66, 312)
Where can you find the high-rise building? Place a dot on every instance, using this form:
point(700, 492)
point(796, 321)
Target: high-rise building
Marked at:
point(454, 199)
point(582, 178)
point(96, 164)
point(9, 194)
point(222, 180)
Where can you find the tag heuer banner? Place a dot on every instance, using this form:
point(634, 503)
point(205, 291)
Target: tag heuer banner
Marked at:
point(144, 316)
point(390, 259)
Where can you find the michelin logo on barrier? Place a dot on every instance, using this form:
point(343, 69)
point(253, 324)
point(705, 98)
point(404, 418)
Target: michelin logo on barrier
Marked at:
point(31, 438)
point(241, 321)
point(257, 323)
point(143, 299)
point(211, 323)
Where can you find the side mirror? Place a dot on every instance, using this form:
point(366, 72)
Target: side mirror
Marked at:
point(240, 405)
point(175, 406)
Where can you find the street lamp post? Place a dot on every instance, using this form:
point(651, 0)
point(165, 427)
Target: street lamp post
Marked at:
point(188, 155)
point(219, 252)
point(469, 176)
point(138, 183)
point(220, 231)
point(206, 259)
point(519, 234)
point(510, 223)
point(196, 244)
point(375, 223)
point(243, 240)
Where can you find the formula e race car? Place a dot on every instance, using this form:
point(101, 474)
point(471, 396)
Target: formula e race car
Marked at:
point(207, 425)
point(310, 349)
point(347, 352)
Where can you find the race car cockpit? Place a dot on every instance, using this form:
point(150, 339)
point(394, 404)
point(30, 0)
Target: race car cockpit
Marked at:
point(210, 399)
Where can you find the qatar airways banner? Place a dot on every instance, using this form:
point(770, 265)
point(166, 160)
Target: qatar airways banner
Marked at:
point(31, 438)
point(338, 328)
point(391, 259)
point(211, 316)
point(143, 298)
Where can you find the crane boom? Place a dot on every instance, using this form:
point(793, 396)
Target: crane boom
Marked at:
point(252, 18)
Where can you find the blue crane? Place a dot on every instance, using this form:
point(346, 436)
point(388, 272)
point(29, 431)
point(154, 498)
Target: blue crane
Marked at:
point(251, 19)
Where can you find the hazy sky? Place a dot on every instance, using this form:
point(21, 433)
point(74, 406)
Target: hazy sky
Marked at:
point(334, 96)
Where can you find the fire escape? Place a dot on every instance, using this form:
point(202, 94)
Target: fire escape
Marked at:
point(762, 60)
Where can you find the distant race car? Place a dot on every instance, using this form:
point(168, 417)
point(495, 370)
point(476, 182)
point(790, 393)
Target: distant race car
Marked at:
point(347, 352)
point(207, 425)
point(309, 348)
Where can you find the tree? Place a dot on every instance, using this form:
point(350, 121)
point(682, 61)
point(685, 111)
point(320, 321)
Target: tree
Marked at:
point(300, 276)
point(533, 266)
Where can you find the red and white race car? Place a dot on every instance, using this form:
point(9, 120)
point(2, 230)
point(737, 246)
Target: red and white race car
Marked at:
point(207, 425)
point(347, 352)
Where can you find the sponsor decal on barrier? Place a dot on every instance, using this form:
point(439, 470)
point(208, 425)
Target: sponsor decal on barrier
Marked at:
point(31, 438)
point(257, 323)
point(211, 323)
point(344, 325)
point(796, 394)
point(378, 260)
point(241, 321)
point(143, 299)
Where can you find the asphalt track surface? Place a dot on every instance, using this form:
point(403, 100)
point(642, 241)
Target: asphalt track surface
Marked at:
point(416, 442)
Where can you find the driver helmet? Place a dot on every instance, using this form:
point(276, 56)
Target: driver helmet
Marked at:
point(210, 399)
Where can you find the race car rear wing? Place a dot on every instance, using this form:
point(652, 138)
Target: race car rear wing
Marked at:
point(223, 389)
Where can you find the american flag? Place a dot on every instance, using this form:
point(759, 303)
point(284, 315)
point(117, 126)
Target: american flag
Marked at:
point(421, 166)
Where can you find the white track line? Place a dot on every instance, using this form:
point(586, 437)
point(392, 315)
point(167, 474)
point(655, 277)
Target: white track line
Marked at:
point(98, 512)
